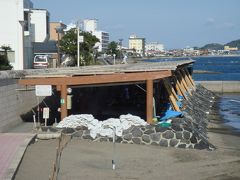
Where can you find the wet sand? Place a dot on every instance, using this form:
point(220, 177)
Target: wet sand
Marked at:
point(83, 159)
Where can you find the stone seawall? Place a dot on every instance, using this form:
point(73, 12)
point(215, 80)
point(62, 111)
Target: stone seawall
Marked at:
point(221, 86)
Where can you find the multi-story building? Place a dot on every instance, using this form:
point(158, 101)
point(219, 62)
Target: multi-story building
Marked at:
point(228, 48)
point(40, 30)
point(138, 44)
point(53, 31)
point(154, 46)
point(15, 30)
point(90, 25)
point(21, 25)
point(104, 40)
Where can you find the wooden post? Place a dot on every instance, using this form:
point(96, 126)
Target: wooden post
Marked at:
point(187, 79)
point(181, 88)
point(168, 85)
point(188, 83)
point(149, 101)
point(171, 96)
point(182, 81)
point(63, 101)
point(190, 78)
point(177, 86)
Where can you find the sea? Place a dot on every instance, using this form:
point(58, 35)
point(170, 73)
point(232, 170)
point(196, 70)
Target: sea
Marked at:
point(224, 68)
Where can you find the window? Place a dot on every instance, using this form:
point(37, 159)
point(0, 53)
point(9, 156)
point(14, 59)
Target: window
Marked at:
point(47, 25)
point(26, 19)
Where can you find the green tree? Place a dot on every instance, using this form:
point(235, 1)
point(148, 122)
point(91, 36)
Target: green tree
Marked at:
point(4, 63)
point(68, 45)
point(113, 49)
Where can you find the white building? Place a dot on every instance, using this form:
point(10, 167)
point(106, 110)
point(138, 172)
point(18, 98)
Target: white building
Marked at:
point(21, 25)
point(103, 38)
point(138, 44)
point(154, 49)
point(39, 25)
point(15, 26)
point(154, 46)
point(90, 25)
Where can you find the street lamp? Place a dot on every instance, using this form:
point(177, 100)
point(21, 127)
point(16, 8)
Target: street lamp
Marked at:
point(114, 57)
point(59, 30)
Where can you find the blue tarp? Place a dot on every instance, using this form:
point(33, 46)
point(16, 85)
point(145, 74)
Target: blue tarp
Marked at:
point(170, 114)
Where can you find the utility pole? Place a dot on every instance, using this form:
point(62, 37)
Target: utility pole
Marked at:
point(80, 39)
point(78, 45)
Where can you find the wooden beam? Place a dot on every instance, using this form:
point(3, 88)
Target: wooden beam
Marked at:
point(177, 86)
point(149, 100)
point(188, 83)
point(168, 85)
point(171, 96)
point(183, 82)
point(187, 79)
point(63, 101)
point(98, 79)
point(182, 89)
point(190, 78)
point(180, 84)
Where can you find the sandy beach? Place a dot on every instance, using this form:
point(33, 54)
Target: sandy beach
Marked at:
point(83, 159)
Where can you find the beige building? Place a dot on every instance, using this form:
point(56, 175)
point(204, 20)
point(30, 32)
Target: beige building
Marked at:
point(138, 44)
point(53, 31)
point(228, 48)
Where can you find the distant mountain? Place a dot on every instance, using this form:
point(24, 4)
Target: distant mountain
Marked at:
point(235, 43)
point(217, 46)
point(213, 46)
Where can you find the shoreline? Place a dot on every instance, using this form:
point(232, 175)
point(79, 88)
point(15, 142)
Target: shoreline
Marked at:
point(218, 130)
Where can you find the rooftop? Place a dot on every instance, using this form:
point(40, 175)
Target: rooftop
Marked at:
point(106, 69)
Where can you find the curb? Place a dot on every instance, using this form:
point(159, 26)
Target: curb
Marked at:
point(12, 169)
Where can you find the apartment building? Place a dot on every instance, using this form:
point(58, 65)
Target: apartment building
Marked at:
point(14, 31)
point(90, 25)
point(40, 30)
point(21, 25)
point(53, 30)
point(154, 46)
point(138, 44)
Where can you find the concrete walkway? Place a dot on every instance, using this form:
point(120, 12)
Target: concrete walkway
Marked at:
point(12, 149)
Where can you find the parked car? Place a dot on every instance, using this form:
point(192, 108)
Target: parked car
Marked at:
point(41, 61)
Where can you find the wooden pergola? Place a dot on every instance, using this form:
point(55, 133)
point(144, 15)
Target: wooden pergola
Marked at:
point(62, 78)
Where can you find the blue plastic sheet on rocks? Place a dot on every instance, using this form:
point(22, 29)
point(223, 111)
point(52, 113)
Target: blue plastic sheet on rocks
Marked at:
point(180, 97)
point(170, 114)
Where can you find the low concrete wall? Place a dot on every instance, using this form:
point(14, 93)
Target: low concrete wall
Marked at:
point(222, 86)
point(13, 103)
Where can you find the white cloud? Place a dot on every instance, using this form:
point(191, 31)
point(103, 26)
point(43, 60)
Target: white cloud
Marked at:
point(210, 21)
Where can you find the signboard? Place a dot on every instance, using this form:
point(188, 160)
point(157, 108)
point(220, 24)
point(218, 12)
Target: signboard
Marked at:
point(80, 39)
point(62, 101)
point(43, 90)
point(46, 113)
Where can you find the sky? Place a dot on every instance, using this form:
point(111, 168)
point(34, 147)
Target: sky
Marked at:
point(174, 23)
